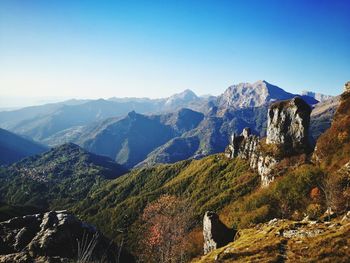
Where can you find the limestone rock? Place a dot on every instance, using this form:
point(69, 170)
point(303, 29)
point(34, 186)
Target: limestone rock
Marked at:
point(287, 131)
point(50, 236)
point(215, 233)
point(266, 163)
point(288, 124)
point(347, 87)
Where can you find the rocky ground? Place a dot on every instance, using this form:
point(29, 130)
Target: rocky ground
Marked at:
point(55, 236)
point(288, 241)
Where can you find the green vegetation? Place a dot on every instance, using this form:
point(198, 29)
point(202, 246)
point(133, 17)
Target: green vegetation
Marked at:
point(207, 184)
point(287, 197)
point(55, 179)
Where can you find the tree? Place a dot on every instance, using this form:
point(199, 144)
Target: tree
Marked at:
point(166, 224)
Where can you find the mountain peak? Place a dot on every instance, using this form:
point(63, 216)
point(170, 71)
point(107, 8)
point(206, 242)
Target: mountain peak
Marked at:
point(186, 94)
point(244, 95)
point(179, 99)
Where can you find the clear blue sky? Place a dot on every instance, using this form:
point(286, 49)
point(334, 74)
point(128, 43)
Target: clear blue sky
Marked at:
point(155, 48)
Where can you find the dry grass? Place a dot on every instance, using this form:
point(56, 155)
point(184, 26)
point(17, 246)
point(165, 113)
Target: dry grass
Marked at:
point(265, 243)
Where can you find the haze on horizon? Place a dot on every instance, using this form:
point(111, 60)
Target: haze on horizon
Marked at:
point(94, 49)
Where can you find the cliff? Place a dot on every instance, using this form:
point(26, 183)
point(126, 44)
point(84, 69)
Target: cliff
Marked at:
point(287, 135)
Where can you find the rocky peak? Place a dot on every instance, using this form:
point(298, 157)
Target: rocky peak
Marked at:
point(182, 97)
point(245, 95)
point(288, 124)
point(215, 233)
point(287, 131)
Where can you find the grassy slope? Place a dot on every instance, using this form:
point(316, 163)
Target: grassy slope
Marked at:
point(210, 183)
point(314, 242)
point(333, 147)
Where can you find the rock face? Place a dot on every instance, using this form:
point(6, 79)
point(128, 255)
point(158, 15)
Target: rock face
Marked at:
point(288, 124)
point(52, 236)
point(252, 95)
point(287, 134)
point(215, 233)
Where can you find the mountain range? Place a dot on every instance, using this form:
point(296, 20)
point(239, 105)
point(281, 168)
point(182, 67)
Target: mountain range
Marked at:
point(144, 132)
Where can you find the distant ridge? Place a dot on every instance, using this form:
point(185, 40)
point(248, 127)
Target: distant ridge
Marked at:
point(14, 147)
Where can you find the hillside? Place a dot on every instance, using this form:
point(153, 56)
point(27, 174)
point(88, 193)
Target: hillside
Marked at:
point(209, 183)
point(56, 178)
point(333, 147)
point(14, 147)
point(288, 241)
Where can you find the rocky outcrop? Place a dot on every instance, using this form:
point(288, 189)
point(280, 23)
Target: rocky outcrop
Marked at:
point(53, 236)
point(288, 125)
point(215, 233)
point(282, 240)
point(347, 87)
point(287, 134)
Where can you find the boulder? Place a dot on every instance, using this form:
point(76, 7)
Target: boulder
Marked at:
point(288, 125)
point(215, 233)
point(55, 236)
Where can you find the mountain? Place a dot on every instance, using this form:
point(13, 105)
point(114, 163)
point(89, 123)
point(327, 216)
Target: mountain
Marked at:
point(129, 140)
point(257, 94)
point(322, 116)
point(55, 178)
point(12, 117)
point(183, 134)
point(14, 147)
point(181, 99)
point(101, 127)
point(45, 121)
point(318, 96)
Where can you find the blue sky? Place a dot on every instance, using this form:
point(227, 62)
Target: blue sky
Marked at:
point(98, 49)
